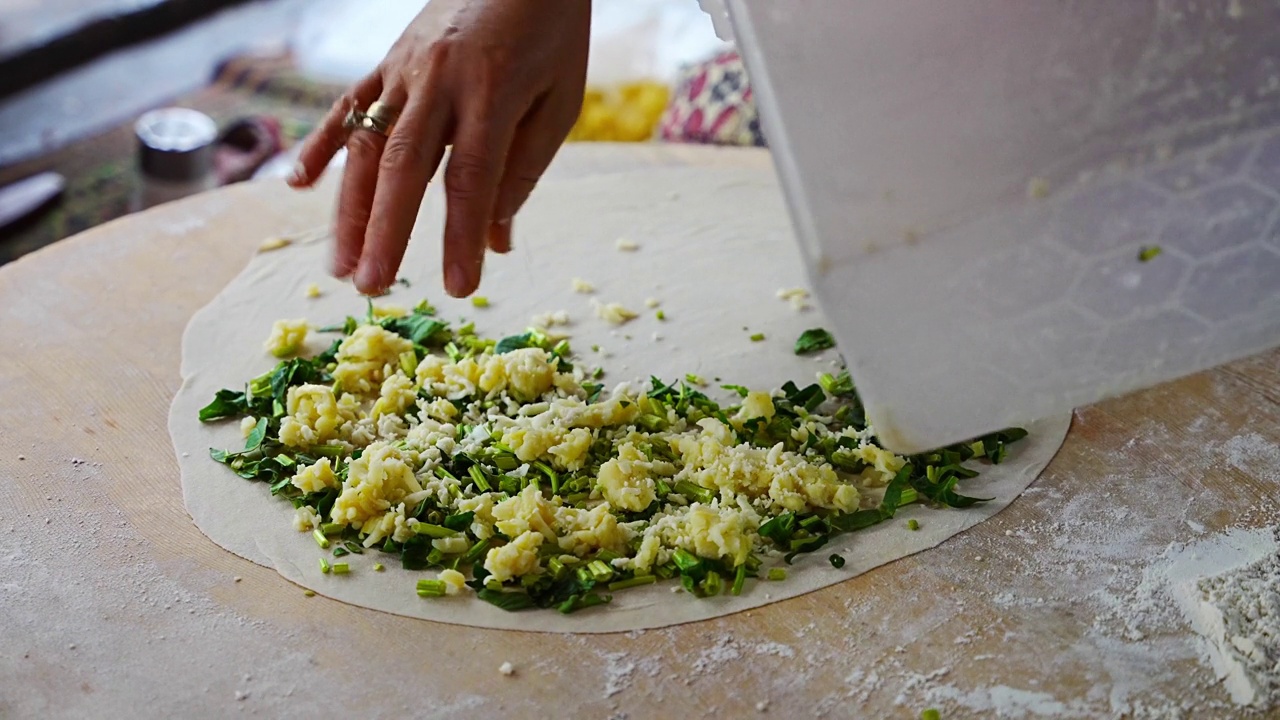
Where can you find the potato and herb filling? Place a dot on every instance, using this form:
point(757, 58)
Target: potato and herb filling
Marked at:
point(502, 467)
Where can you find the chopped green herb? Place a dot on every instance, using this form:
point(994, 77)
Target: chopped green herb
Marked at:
point(814, 340)
point(340, 552)
point(930, 714)
point(1149, 253)
point(660, 315)
point(837, 561)
point(777, 574)
point(379, 567)
point(636, 581)
point(432, 588)
point(913, 524)
point(757, 337)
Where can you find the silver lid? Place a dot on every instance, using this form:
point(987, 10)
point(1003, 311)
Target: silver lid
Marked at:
point(176, 143)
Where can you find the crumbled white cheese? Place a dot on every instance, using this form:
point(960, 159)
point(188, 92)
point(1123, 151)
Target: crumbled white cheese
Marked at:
point(651, 303)
point(626, 245)
point(506, 668)
point(287, 338)
point(798, 297)
point(582, 286)
point(613, 313)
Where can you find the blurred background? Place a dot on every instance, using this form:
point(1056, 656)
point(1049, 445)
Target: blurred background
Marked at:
point(77, 78)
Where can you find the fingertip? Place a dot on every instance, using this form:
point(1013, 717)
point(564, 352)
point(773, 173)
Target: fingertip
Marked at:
point(499, 239)
point(459, 281)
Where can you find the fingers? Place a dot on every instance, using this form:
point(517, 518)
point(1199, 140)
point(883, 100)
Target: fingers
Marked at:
point(325, 141)
point(534, 146)
point(471, 188)
point(500, 236)
point(359, 183)
point(409, 159)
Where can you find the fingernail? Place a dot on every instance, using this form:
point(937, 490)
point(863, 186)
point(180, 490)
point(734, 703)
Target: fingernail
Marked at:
point(298, 176)
point(455, 280)
point(369, 277)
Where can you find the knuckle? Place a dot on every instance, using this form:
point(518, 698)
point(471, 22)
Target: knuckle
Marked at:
point(401, 151)
point(468, 174)
point(364, 144)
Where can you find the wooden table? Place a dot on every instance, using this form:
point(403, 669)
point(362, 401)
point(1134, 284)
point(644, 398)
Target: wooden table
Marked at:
point(113, 603)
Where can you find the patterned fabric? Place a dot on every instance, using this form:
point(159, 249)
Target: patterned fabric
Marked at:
point(712, 104)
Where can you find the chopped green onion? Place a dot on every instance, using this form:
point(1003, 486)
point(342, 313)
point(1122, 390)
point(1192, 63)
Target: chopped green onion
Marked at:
point(340, 551)
point(757, 337)
point(332, 528)
point(378, 567)
point(1148, 253)
point(324, 566)
point(660, 315)
point(837, 561)
point(475, 552)
point(561, 348)
point(478, 477)
point(913, 524)
point(711, 585)
point(434, 531)
point(431, 588)
point(309, 593)
point(636, 581)
point(557, 569)
point(600, 572)
point(739, 579)
point(409, 362)
point(777, 574)
point(480, 301)
point(685, 560)
point(341, 568)
point(321, 540)
point(694, 491)
point(930, 714)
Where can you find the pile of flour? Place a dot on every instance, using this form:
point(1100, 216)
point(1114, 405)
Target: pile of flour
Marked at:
point(1238, 613)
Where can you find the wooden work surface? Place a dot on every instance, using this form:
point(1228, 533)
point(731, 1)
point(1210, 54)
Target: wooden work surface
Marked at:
point(112, 602)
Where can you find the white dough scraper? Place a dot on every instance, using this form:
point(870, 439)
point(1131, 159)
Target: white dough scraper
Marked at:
point(1012, 208)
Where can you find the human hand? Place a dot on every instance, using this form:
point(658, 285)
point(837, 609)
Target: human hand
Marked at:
point(502, 84)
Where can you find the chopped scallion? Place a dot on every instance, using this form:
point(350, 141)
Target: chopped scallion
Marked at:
point(324, 566)
point(341, 568)
point(321, 540)
point(636, 581)
point(913, 524)
point(431, 588)
point(777, 574)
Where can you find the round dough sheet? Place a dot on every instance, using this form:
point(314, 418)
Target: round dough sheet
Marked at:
point(714, 247)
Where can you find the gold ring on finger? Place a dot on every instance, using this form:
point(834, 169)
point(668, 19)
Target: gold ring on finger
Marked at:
point(379, 118)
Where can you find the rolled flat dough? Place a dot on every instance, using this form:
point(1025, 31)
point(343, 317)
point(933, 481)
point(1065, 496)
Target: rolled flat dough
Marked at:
point(714, 248)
